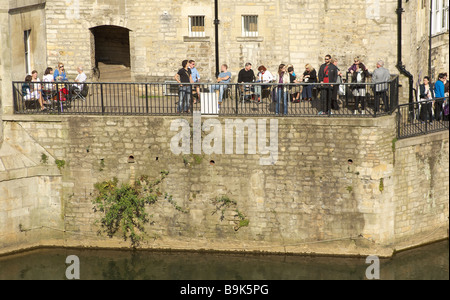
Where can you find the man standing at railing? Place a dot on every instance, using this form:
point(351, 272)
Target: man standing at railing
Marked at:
point(381, 77)
point(439, 93)
point(184, 76)
point(195, 78)
point(325, 92)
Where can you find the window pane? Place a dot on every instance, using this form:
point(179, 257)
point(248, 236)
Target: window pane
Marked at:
point(197, 26)
point(250, 25)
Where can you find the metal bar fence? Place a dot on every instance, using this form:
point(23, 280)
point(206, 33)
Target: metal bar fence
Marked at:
point(247, 99)
point(422, 117)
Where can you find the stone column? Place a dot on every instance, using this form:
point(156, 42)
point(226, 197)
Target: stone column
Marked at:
point(4, 51)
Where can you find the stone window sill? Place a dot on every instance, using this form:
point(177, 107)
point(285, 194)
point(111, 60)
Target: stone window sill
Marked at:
point(188, 39)
point(244, 39)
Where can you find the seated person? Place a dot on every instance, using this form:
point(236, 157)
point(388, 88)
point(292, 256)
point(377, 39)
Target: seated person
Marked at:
point(224, 77)
point(60, 73)
point(295, 96)
point(30, 93)
point(246, 75)
point(49, 87)
point(264, 76)
point(81, 78)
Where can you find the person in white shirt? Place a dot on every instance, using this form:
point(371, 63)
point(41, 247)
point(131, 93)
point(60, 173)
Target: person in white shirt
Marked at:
point(81, 78)
point(264, 76)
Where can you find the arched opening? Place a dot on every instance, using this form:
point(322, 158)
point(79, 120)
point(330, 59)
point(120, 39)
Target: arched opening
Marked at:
point(112, 52)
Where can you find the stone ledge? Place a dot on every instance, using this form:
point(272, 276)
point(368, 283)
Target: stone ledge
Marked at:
point(423, 139)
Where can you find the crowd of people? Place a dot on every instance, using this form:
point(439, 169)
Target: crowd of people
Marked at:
point(53, 85)
point(432, 105)
point(328, 79)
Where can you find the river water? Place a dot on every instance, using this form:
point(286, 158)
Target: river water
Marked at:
point(426, 262)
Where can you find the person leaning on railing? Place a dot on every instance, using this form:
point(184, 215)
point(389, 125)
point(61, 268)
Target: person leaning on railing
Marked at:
point(439, 93)
point(184, 76)
point(359, 75)
point(381, 77)
point(426, 92)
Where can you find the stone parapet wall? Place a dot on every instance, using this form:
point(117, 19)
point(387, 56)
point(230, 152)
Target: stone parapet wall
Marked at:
point(338, 186)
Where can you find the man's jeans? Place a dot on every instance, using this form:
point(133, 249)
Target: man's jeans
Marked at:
point(185, 96)
point(281, 93)
point(221, 88)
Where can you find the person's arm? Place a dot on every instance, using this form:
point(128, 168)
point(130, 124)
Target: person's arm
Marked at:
point(240, 77)
point(177, 78)
point(321, 75)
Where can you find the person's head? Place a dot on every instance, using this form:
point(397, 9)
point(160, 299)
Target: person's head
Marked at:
point(28, 78)
point(426, 80)
point(224, 67)
point(380, 64)
point(290, 70)
point(60, 67)
point(334, 61)
point(262, 69)
point(441, 77)
point(80, 69)
point(49, 70)
point(327, 58)
point(184, 63)
point(248, 66)
point(192, 64)
point(34, 74)
point(281, 68)
point(309, 68)
point(357, 60)
point(445, 76)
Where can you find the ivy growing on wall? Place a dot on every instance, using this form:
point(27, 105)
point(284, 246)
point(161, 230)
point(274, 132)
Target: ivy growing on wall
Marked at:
point(123, 206)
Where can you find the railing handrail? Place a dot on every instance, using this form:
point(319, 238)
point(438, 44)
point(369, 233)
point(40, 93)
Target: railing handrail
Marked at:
point(173, 82)
point(423, 101)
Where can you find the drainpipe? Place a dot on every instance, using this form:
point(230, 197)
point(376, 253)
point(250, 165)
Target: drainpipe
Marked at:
point(400, 65)
point(216, 24)
point(429, 40)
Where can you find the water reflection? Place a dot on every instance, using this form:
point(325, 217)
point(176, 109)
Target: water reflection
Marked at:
point(428, 262)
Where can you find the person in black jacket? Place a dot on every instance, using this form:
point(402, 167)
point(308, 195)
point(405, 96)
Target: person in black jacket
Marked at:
point(426, 92)
point(359, 75)
point(334, 76)
point(325, 90)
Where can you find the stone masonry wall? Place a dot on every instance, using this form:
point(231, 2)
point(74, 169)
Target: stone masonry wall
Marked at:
point(334, 188)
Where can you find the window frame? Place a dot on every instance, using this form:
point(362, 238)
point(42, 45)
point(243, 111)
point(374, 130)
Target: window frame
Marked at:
point(195, 18)
point(246, 21)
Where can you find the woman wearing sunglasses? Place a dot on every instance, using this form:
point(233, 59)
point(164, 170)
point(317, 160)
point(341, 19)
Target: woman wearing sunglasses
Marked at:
point(60, 73)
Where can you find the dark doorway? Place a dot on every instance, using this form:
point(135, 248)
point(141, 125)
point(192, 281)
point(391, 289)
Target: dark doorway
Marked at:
point(112, 52)
point(112, 45)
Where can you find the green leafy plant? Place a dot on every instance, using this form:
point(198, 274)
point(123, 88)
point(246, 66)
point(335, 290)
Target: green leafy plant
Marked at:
point(44, 158)
point(123, 206)
point(223, 203)
point(60, 164)
point(381, 186)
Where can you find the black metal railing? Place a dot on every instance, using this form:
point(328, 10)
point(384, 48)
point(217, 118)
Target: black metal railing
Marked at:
point(422, 117)
point(249, 99)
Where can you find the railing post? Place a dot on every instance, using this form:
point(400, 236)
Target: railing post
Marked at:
point(101, 98)
point(146, 97)
point(237, 99)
